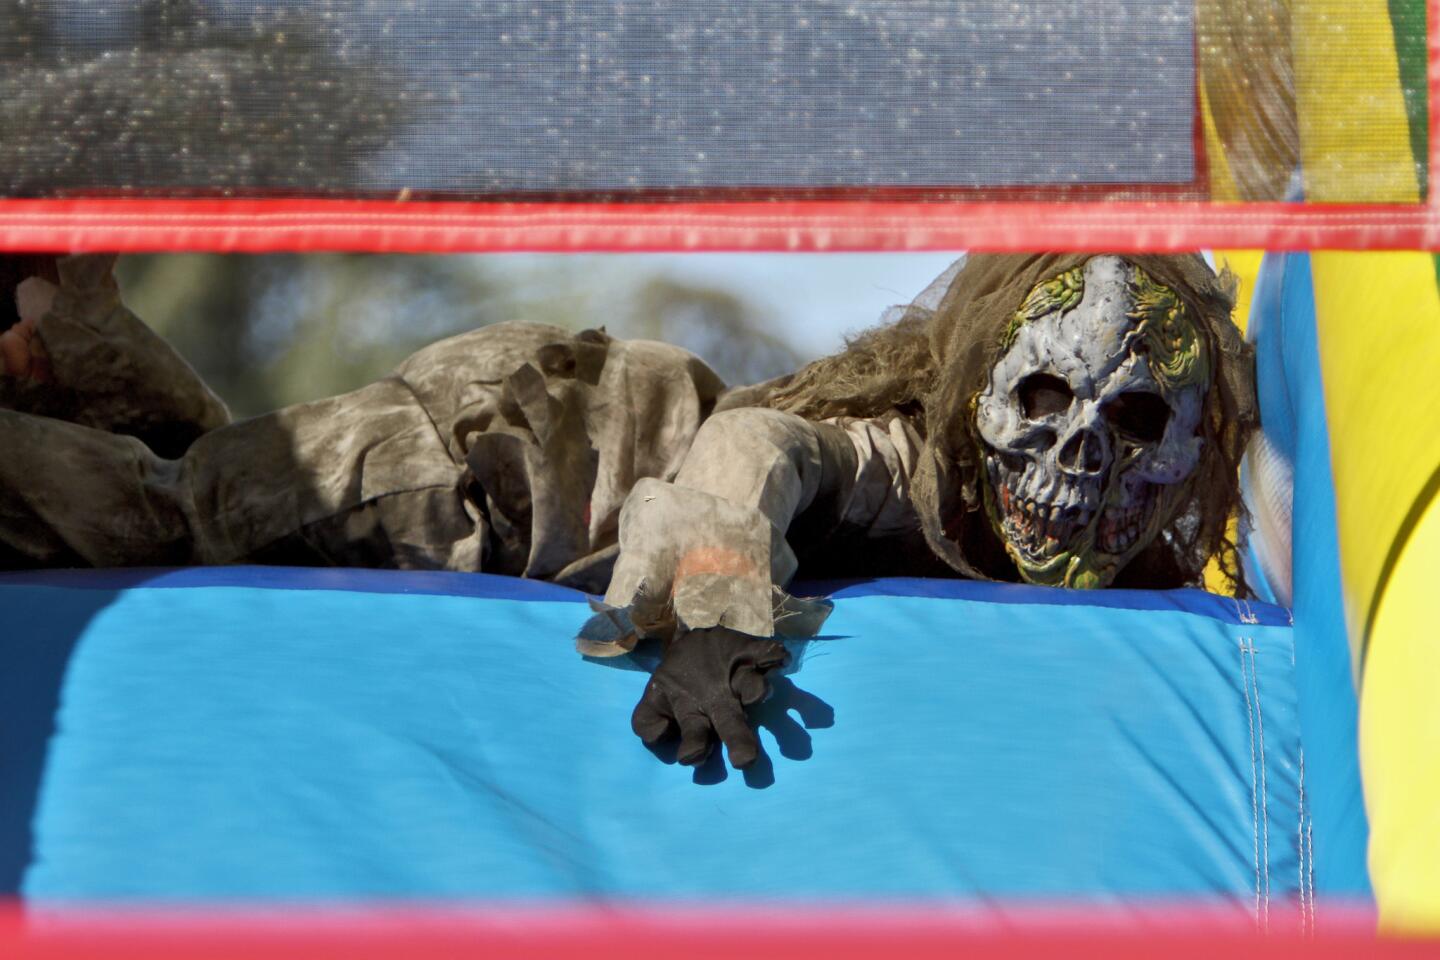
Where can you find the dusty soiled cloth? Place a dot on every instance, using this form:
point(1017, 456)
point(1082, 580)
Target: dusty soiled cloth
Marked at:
point(516, 448)
point(621, 467)
point(111, 371)
point(913, 381)
point(510, 448)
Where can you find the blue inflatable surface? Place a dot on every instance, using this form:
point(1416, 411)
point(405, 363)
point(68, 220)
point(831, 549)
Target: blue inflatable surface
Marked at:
point(277, 733)
point(1292, 398)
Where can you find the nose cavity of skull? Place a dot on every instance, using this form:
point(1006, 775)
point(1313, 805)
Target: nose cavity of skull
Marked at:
point(1083, 453)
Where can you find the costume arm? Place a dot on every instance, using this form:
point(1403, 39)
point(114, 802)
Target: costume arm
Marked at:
point(774, 463)
point(710, 548)
point(107, 369)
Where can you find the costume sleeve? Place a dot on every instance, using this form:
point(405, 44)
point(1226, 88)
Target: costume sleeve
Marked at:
point(111, 371)
point(710, 548)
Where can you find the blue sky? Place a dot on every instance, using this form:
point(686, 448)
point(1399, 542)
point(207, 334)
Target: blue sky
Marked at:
point(812, 299)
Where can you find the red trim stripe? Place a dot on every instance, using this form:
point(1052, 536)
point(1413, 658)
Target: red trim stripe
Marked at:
point(627, 933)
point(254, 226)
point(264, 225)
point(1432, 100)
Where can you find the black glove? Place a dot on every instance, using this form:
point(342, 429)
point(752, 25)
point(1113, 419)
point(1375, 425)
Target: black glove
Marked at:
point(705, 680)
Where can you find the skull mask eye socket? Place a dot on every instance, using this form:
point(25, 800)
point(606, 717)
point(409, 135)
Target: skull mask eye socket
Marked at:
point(1139, 415)
point(1043, 394)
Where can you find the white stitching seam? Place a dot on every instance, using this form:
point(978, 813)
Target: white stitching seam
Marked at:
point(1310, 860)
point(1264, 787)
point(1300, 849)
point(1254, 779)
point(1243, 611)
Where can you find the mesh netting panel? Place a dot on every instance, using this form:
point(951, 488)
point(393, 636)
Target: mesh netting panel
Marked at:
point(460, 98)
point(1225, 100)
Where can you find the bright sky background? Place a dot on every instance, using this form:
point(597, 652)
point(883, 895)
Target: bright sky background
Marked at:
point(813, 298)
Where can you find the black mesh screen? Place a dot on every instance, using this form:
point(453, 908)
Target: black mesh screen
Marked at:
point(452, 98)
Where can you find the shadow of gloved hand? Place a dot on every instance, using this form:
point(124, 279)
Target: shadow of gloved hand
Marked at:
point(705, 680)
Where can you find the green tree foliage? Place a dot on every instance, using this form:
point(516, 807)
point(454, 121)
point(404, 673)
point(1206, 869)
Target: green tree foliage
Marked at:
point(266, 331)
point(716, 324)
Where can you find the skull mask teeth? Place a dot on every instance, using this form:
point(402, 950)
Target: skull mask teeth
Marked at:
point(1089, 422)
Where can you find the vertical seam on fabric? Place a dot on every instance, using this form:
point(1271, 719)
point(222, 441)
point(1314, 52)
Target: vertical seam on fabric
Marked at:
point(1254, 780)
point(1264, 784)
point(1305, 925)
point(1305, 865)
point(1300, 834)
point(1310, 859)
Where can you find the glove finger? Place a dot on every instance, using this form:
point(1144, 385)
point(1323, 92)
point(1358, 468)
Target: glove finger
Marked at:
point(770, 655)
point(653, 718)
point(736, 733)
point(748, 683)
point(695, 739)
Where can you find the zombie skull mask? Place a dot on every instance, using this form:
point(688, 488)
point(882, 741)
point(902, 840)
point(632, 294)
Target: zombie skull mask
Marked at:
point(1089, 424)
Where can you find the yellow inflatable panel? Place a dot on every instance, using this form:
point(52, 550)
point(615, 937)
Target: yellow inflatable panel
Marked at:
point(1400, 736)
point(1378, 317)
point(1354, 132)
point(1245, 264)
point(1222, 181)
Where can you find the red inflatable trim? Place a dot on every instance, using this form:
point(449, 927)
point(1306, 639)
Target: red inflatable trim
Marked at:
point(255, 226)
point(601, 933)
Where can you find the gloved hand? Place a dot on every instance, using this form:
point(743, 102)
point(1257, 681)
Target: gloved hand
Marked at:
point(705, 680)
